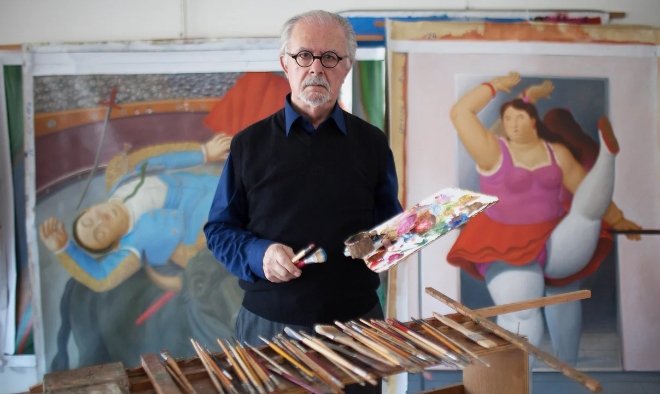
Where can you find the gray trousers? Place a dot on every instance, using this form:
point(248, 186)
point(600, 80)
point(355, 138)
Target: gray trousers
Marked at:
point(250, 326)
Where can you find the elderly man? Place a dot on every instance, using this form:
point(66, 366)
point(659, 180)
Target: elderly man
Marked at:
point(310, 173)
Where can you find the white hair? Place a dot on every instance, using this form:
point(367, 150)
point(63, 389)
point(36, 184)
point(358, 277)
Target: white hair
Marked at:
point(320, 18)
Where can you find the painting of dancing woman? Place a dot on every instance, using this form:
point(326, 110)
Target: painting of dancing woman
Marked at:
point(531, 244)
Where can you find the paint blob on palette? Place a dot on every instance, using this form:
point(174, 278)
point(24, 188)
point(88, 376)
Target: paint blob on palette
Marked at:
point(393, 241)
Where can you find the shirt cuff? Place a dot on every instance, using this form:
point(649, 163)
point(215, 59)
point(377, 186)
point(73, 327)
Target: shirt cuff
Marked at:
point(256, 256)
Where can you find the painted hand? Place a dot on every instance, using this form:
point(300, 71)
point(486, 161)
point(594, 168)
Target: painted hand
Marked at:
point(277, 264)
point(217, 148)
point(536, 92)
point(625, 224)
point(506, 83)
point(53, 235)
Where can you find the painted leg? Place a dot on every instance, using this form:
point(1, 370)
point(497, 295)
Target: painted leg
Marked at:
point(574, 240)
point(565, 324)
point(507, 283)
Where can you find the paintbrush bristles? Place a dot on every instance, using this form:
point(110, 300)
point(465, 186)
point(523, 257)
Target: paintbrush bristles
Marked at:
point(319, 256)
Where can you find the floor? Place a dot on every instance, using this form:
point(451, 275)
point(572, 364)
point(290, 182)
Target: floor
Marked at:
point(556, 383)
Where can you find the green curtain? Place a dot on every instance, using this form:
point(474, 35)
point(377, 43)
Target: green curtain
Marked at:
point(14, 94)
point(13, 79)
point(370, 100)
point(372, 91)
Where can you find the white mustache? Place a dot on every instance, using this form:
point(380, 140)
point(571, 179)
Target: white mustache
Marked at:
point(316, 80)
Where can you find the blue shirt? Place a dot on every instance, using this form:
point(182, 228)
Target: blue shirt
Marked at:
point(229, 211)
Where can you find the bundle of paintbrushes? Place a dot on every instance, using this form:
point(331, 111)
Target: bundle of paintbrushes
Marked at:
point(345, 353)
point(304, 257)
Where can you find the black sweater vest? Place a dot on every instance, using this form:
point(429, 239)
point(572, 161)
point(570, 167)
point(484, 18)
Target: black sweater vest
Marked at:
point(311, 188)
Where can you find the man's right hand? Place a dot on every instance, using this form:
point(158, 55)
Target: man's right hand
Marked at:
point(278, 267)
point(53, 235)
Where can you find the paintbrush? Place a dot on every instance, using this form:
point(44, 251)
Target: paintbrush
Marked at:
point(385, 352)
point(302, 253)
point(439, 335)
point(270, 361)
point(297, 382)
point(319, 256)
point(471, 335)
point(264, 373)
point(382, 367)
point(218, 363)
point(336, 335)
point(309, 375)
point(388, 335)
point(246, 369)
point(250, 369)
point(207, 366)
point(258, 369)
point(310, 355)
point(299, 337)
point(427, 344)
point(223, 375)
point(414, 355)
point(175, 367)
point(331, 355)
point(322, 373)
point(178, 380)
point(239, 372)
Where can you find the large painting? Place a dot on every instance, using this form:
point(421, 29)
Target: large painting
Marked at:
point(126, 161)
point(460, 96)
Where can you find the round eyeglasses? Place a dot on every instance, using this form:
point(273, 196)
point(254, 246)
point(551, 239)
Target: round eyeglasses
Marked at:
point(306, 58)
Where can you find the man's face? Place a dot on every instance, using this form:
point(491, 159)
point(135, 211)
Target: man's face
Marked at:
point(315, 85)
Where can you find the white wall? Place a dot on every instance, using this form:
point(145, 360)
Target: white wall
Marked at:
point(25, 21)
point(32, 21)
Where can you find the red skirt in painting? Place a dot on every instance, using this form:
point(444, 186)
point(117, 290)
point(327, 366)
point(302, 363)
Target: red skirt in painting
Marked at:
point(483, 240)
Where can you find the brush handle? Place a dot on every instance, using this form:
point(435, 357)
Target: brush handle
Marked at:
point(297, 382)
point(179, 373)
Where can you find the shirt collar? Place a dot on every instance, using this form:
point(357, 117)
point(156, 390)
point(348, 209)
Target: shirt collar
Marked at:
point(291, 115)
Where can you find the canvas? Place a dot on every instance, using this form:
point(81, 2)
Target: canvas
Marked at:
point(594, 71)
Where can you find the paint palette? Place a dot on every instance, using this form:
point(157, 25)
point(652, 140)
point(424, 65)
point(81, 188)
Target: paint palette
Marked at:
point(393, 241)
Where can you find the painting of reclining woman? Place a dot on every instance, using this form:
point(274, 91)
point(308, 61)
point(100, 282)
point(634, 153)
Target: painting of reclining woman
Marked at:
point(123, 190)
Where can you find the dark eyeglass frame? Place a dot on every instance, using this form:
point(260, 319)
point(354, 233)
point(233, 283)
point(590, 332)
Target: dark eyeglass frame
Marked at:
point(295, 57)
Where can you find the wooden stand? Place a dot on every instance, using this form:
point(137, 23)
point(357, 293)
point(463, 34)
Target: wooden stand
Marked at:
point(508, 372)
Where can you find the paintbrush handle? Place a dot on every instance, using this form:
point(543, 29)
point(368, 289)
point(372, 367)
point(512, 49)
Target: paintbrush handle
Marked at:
point(395, 358)
point(425, 344)
point(297, 382)
point(302, 253)
point(179, 372)
point(246, 369)
point(455, 346)
point(454, 325)
point(337, 359)
point(290, 359)
point(258, 369)
point(363, 350)
point(177, 379)
point(207, 367)
point(234, 364)
point(333, 382)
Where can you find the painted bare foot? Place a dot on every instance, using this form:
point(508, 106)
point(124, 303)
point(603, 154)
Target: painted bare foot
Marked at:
point(606, 131)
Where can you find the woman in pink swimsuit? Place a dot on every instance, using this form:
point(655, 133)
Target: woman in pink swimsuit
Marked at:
point(529, 245)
